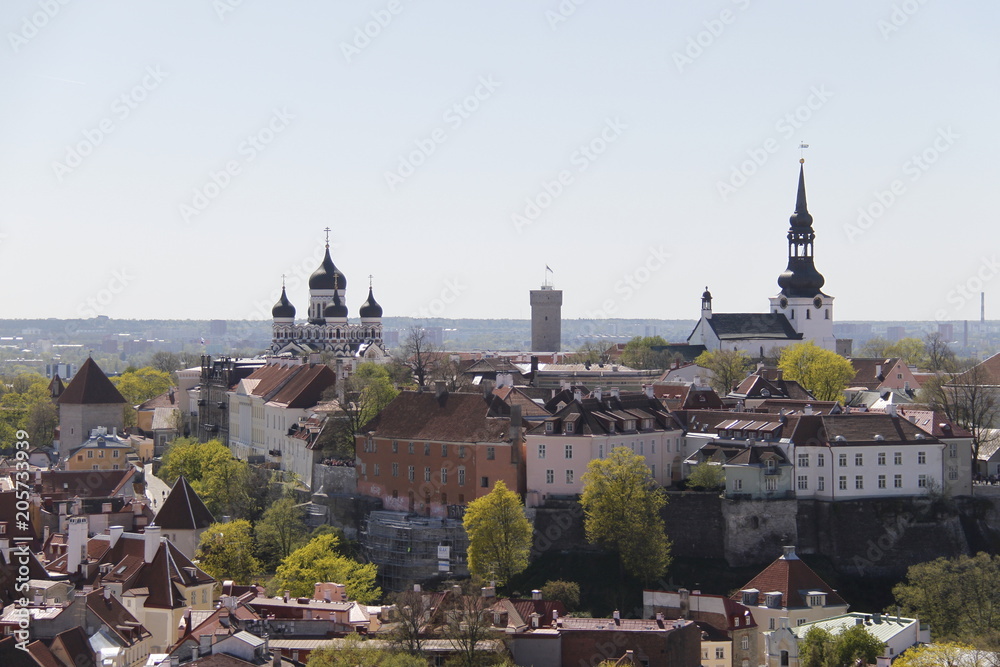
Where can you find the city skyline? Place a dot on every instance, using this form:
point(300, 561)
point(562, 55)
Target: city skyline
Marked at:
point(175, 162)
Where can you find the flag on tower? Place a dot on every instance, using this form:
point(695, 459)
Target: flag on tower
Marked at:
point(547, 268)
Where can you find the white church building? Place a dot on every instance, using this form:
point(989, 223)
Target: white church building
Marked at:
point(800, 311)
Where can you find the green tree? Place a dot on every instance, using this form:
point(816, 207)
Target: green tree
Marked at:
point(913, 351)
point(855, 645)
point(621, 505)
point(354, 651)
point(959, 597)
point(639, 353)
point(142, 384)
point(499, 534)
point(226, 551)
point(816, 648)
point(728, 368)
point(281, 530)
point(567, 592)
point(319, 561)
point(823, 373)
point(946, 654)
point(226, 485)
point(707, 476)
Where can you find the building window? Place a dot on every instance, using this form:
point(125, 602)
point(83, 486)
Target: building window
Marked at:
point(90, 453)
point(427, 449)
point(600, 451)
point(550, 476)
point(568, 453)
point(484, 482)
point(897, 481)
point(410, 473)
point(801, 621)
point(411, 448)
point(803, 483)
point(364, 469)
point(842, 460)
point(461, 476)
point(114, 466)
point(737, 485)
point(859, 459)
point(395, 447)
point(859, 482)
point(444, 475)
point(881, 458)
point(427, 473)
point(461, 451)
point(953, 451)
point(395, 470)
point(549, 427)
point(541, 451)
point(720, 653)
point(569, 427)
point(491, 453)
point(444, 450)
point(770, 484)
point(444, 498)
point(842, 483)
point(820, 460)
point(569, 476)
point(375, 470)
point(745, 643)
point(922, 481)
point(881, 482)
point(921, 458)
point(770, 625)
point(897, 458)
point(952, 475)
point(803, 460)
point(821, 484)
point(114, 453)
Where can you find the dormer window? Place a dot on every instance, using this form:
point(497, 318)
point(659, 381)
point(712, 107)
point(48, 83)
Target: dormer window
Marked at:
point(630, 425)
point(773, 600)
point(550, 427)
point(817, 600)
point(569, 427)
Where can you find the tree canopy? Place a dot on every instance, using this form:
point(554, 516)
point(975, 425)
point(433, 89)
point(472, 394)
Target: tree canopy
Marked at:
point(226, 485)
point(823, 373)
point(959, 597)
point(707, 476)
point(499, 534)
point(946, 654)
point(319, 561)
point(820, 648)
point(621, 505)
point(354, 651)
point(728, 368)
point(226, 551)
point(639, 353)
point(281, 530)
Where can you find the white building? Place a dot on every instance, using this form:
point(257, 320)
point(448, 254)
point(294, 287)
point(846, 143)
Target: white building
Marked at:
point(559, 449)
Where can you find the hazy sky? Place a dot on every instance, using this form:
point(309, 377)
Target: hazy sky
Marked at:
point(174, 159)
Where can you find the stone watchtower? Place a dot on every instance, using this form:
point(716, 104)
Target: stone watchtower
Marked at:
point(546, 319)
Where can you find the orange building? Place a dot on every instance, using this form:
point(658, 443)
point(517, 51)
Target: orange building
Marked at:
point(433, 452)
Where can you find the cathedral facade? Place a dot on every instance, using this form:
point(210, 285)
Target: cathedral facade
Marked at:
point(327, 328)
point(800, 311)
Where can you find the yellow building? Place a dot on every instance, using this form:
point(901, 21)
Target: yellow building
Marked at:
point(102, 451)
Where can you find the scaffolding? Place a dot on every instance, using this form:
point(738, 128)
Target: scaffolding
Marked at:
point(409, 549)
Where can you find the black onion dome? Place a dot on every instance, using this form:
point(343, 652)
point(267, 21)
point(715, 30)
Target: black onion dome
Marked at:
point(801, 279)
point(706, 294)
point(370, 308)
point(327, 276)
point(336, 309)
point(801, 219)
point(284, 307)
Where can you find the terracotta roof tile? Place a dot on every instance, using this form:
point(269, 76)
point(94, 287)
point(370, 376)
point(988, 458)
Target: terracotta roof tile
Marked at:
point(90, 386)
point(792, 578)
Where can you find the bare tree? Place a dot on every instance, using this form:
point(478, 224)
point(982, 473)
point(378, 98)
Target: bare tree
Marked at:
point(419, 353)
point(414, 612)
point(940, 357)
point(970, 399)
point(468, 624)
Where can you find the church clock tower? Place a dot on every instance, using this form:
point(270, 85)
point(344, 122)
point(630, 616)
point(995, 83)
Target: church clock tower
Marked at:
point(801, 299)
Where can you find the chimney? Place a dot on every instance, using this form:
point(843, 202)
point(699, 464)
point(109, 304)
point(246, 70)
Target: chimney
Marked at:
point(439, 388)
point(487, 386)
point(76, 543)
point(175, 661)
point(808, 410)
point(205, 644)
point(615, 393)
point(616, 615)
point(648, 388)
point(598, 393)
point(116, 533)
point(536, 594)
point(151, 544)
point(788, 552)
point(555, 616)
point(456, 590)
point(416, 588)
point(534, 365)
point(275, 658)
point(685, 601)
point(195, 653)
point(878, 371)
point(890, 409)
point(779, 375)
point(577, 395)
point(288, 594)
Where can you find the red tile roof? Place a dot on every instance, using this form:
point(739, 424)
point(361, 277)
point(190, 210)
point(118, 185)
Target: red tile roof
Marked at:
point(90, 386)
point(452, 417)
point(295, 386)
point(793, 579)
